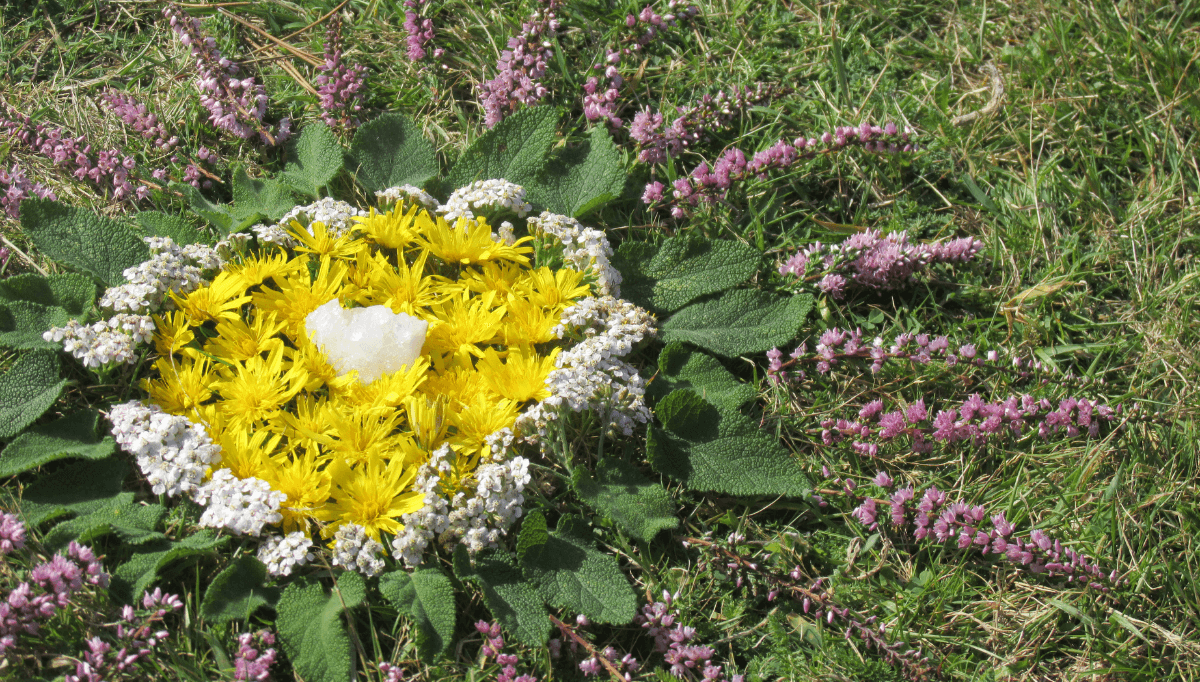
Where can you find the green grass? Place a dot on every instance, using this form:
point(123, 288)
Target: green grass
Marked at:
point(1082, 185)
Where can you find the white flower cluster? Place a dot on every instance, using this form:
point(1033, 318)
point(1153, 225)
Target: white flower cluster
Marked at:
point(170, 268)
point(171, 451)
point(478, 520)
point(354, 550)
point(483, 193)
point(112, 340)
point(338, 217)
point(243, 505)
point(591, 375)
point(408, 194)
point(282, 553)
point(432, 519)
point(584, 248)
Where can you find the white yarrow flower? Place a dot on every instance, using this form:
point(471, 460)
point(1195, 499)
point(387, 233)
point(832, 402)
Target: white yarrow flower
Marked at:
point(282, 554)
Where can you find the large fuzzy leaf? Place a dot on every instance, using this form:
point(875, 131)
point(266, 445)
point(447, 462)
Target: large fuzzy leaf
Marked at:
point(72, 436)
point(77, 488)
point(739, 322)
point(312, 630)
point(515, 150)
point(220, 216)
point(390, 151)
point(683, 367)
point(134, 522)
point(27, 390)
point(261, 197)
point(570, 573)
point(238, 591)
point(315, 158)
point(70, 291)
point(22, 324)
point(621, 493)
point(427, 597)
point(133, 577)
point(99, 246)
point(721, 451)
point(158, 224)
point(580, 180)
point(681, 269)
point(513, 601)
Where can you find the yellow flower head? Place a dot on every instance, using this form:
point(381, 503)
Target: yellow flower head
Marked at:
point(236, 356)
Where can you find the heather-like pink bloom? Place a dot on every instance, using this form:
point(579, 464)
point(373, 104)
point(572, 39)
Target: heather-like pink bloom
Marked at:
point(235, 105)
point(341, 85)
point(521, 67)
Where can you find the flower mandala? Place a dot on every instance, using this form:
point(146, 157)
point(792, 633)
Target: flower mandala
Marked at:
point(235, 356)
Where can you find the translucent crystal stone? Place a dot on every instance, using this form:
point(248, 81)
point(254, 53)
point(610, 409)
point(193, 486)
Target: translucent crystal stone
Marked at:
point(375, 341)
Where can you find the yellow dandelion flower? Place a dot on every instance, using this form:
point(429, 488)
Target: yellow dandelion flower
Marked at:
point(362, 434)
point(404, 288)
point(464, 322)
point(470, 241)
point(373, 495)
point(427, 420)
point(299, 294)
point(303, 478)
point(553, 289)
point(500, 277)
point(238, 340)
point(182, 384)
point(253, 392)
point(528, 323)
point(257, 269)
point(219, 300)
point(390, 390)
point(319, 241)
point(522, 375)
point(480, 418)
point(458, 384)
point(172, 332)
point(245, 452)
point(394, 229)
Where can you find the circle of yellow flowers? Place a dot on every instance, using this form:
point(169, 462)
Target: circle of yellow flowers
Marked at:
point(234, 356)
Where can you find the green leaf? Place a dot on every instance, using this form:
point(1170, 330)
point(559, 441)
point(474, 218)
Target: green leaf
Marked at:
point(133, 577)
point(721, 451)
point(569, 572)
point(739, 322)
point(220, 216)
point(238, 591)
point(72, 436)
point(99, 246)
point(621, 493)
point(513, 601)
point(390, 151)
point(158, 224)
point(311, 628)
point(70, 291)
point(77, 488)
point(515, 150)
point(135, 523)
point(580, 180)
point(264, 197)
point(28, 389)
point(315, 158)
point(427, 597)
point(682, 367)
point(682, 269)
point(22, 324)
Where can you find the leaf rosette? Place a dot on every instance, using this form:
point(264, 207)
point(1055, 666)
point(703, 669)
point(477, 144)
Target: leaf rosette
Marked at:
point(298, 443)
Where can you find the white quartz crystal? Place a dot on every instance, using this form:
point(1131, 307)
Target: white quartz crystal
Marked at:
point(375, 341)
